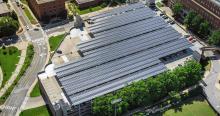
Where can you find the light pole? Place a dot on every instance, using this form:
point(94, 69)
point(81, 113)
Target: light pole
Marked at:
point(113, 102)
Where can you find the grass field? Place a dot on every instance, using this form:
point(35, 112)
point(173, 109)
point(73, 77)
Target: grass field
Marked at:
point(39, 111)
point(8, 60)
point(29, 15)
point(36, 91)
point(55, 41)
point(27, 62)
point(87, 10)
point(192, 107)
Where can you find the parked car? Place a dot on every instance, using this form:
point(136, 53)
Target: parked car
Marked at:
point(186, 36)
point(193, 41)
point(172, 22)
point(161, 14)
point(165, 17)
point(190, 38)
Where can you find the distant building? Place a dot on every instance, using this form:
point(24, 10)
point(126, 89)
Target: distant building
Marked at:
point(47, 9)
point(208, 9)
point(87, 3)
point(4, 10)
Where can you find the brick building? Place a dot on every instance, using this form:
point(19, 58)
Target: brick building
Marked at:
point(47, 9)
point(208, 9)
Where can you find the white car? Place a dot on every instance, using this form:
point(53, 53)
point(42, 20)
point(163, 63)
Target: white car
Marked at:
point(27, 27)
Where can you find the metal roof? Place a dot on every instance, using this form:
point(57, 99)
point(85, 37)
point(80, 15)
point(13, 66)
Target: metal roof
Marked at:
point(119, 55)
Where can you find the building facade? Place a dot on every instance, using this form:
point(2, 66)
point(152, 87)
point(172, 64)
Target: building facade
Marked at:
point(47, 9)
point(208, 9)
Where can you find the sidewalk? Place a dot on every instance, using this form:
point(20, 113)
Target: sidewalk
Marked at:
point(18, 68)
point(34, 102)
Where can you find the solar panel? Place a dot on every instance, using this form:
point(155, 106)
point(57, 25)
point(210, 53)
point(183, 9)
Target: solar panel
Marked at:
point(105, 58)
point(118, 11)
point(115, 85)
point(127, 47)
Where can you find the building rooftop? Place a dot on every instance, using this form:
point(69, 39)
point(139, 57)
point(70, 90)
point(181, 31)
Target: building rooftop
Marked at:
point(44, 1)
point(4, 8)
point(128, 45)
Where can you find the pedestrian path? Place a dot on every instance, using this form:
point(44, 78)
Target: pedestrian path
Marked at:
point(34, 102)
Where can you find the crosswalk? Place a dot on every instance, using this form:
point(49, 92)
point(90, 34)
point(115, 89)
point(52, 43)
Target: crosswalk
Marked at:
point(3, 107)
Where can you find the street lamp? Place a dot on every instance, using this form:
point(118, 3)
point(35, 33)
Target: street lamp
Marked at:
point(113, 102)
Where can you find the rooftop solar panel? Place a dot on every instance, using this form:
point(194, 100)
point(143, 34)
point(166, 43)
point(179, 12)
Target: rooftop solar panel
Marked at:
point(123, 51)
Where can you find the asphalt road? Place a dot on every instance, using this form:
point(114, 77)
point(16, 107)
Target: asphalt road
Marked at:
point(16, 99)
point(212, 93)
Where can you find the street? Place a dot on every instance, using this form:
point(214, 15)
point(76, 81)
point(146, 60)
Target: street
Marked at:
point(14, 102)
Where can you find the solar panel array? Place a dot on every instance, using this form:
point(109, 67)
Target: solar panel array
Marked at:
point(124, 52)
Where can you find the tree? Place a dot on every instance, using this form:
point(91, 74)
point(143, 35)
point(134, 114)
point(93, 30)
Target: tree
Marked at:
point(214, 39)
point(146, 92)
point(204, 28)
point(14, 15)
point(174, 96)
point(197, 20)
point(8, 26)
point(188, 19)
point(177, 8)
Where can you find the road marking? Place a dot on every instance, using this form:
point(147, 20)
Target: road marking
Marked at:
point(43, 54)
point(8, 107)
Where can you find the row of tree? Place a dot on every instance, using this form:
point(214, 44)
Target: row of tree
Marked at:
point(147, 92)
point(198, 25)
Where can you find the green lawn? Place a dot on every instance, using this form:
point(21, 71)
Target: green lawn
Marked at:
point(27, 62)
point(9, 57)
point(39, 111)
point(36, 91)
point(159, 4)
point(29, 15)
point(87, 10)
point(55, 41)
point(24, 2)
point(192, 107)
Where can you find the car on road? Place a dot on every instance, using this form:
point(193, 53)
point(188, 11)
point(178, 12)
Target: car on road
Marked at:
point(36, 29)
point(27, 27)
point(59, 52)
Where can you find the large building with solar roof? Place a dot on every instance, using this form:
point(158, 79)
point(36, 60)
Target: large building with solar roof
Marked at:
point(127, 44)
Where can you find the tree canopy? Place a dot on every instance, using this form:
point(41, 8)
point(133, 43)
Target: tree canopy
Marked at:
point(197, 24)
point(8, 26)
point(214, 39)
point(177, 8)
point(146, 92)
